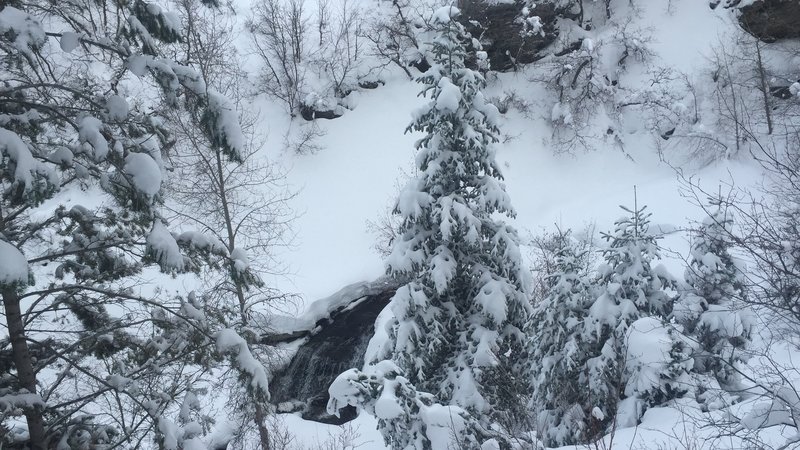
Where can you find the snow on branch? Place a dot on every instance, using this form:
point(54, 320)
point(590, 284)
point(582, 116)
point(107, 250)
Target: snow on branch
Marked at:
point(230, 343)
point(22, 29)
point(13, 266)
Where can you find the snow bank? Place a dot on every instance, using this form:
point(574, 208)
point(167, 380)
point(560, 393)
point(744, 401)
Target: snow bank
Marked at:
point(323, 308)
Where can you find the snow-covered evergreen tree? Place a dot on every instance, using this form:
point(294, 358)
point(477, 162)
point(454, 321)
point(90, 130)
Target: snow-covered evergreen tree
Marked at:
point(99, 357)
point(591, 333)
point(711, 310)
point(409, 418)
point(558, 352)
point(633, 290)
point(458, 329)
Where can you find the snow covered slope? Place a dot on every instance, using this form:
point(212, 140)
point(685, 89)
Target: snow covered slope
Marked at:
point(365, 155)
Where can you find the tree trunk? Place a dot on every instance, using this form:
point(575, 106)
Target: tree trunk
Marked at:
point(22, 361)
point(263, 433)
point(260, 415)
point(762, 76)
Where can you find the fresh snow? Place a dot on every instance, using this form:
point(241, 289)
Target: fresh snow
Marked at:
point(240, 260)
point(69, 41)
point(13, 265)
point(649, 345)
point(364, 156)
point(447, 101)
point(23, 28)
point(445, 13)
point(202, 241)
point(117, 108)
point(164, 248)
point(322, 308)
point(90, 132)
point(15, 148)
point(144, 172)
point(229, 342)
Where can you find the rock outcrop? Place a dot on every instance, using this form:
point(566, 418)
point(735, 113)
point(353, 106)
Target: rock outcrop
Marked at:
point(771, 20)
point(333, 339)
point(501, 32)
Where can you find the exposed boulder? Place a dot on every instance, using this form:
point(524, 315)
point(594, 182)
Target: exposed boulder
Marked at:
point(782, 92)
point(310, 112)
point(501, 32)
point(771, 20)
point(330, 338)
point(421, 64)
point(370, 84)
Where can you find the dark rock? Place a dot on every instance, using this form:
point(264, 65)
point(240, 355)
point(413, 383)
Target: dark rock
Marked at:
point(781, 92)
point(771, 20)
point(308, 112)
point(370, 84)
point(421, 64)
point(728, 3)
point(273, 339)
point(501, 34)
point(316, 411)
point(336, 344)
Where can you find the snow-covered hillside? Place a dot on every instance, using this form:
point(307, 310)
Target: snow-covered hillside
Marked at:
point(366, 155)
point(161, 262)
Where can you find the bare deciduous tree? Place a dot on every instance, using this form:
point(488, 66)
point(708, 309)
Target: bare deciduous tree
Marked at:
point(243, 206)
point(278, 33)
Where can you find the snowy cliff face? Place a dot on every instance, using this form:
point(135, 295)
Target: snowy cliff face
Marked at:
point(335, 341)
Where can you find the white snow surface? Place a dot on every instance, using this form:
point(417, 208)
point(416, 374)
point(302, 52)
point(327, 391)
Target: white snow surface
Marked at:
point(117, 107)
point(448, 99)
point(648, 354)
point(229, 342)
point(240, 260)
point(365, 155)
point(445, 13)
